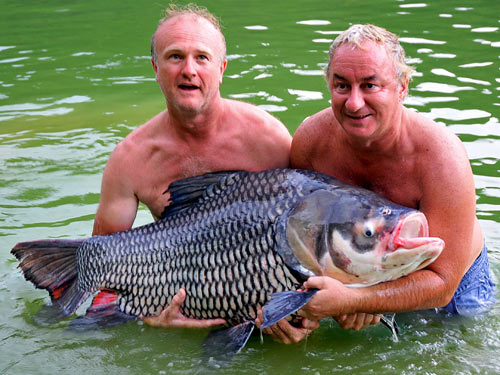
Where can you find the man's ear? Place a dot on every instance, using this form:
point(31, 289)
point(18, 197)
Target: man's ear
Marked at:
point(223, 67)
point(155, 68)
point(403, 89)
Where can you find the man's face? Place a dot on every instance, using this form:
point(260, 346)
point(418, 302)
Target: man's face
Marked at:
point(189, 67)
point(366, 95)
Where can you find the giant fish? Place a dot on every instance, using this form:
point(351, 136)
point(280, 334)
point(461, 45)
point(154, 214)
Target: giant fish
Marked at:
point(232, 240)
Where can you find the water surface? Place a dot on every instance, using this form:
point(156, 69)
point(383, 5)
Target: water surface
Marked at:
point(75, 78)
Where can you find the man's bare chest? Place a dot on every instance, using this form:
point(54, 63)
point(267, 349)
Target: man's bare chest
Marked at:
point(399, 185)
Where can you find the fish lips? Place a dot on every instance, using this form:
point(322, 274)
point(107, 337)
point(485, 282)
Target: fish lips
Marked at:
point(409, 231)
point(410, 238)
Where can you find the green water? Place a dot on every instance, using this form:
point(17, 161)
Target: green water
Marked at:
point(75, 78)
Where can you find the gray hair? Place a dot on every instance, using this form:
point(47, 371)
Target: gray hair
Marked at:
point(357, 34)
point(190, 9)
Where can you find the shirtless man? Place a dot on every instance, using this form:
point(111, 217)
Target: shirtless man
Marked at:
point(198, 133)
point(369, 139)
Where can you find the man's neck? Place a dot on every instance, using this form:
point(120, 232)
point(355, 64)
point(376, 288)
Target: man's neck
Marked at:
point(198, 126)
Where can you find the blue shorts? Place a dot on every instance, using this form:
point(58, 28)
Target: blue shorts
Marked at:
point(476, 292)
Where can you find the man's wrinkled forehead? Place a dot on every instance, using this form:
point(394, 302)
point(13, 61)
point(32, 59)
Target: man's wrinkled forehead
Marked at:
point(367, 52)
point(201, 26)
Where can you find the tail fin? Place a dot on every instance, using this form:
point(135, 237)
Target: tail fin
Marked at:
point(51, 265)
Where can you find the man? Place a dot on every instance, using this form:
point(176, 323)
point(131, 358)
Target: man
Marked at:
point(199, 132)
point(369, 139)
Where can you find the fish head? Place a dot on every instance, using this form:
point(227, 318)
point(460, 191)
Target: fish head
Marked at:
point(357, 237)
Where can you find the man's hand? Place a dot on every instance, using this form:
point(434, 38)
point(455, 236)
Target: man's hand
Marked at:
point(172, 317)
point(357, 321)
point(330, 300)
point(284, 332)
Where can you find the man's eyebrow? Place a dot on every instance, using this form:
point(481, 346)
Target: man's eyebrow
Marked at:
point(369, 78)
point(174, 48)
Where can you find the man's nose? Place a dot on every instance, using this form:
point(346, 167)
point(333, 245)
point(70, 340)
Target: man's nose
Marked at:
point(189, 67)
point(355, 101)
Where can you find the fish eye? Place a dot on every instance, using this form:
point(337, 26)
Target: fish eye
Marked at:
point(386, 211)
point(369, 230)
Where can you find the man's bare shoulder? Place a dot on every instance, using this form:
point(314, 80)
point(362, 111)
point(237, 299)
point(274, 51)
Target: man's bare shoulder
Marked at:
point(311, 137)
point(435, 139)
point(255, 122)
point(316, 125)
point(136, 144)
point(442, 156)
point(259, 134)
point(252, 115)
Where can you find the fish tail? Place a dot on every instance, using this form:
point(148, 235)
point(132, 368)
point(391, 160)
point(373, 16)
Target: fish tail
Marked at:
point(52, 265)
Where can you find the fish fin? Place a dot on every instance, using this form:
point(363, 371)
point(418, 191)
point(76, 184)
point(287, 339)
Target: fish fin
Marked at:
point(283, 304)
point(390, 322)
point(51, 265)
point(103, 312)
point(185, 192)
point(222, 344)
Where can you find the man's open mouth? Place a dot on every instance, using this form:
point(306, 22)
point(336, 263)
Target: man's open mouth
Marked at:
point(188, 87)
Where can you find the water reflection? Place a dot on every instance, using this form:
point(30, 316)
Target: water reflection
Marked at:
point(444, 88)
point(306, 95)
point(78, 80)
point(9, 112)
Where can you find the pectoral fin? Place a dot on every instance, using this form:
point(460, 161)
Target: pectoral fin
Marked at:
point(283, 304)
point(222, 344)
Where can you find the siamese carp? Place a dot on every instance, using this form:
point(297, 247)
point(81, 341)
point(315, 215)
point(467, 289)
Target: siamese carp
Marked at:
point(231, 240)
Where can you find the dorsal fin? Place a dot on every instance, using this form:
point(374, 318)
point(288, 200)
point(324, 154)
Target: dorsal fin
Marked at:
point(185, 192)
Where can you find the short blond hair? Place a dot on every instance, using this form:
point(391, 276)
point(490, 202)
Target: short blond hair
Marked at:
point(191, 9)
point(357, 34)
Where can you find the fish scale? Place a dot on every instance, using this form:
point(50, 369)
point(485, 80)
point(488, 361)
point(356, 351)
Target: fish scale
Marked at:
point(217, 227)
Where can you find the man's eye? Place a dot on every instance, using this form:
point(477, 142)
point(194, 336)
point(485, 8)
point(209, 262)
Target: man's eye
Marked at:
point(370, 86)
point(203, 57)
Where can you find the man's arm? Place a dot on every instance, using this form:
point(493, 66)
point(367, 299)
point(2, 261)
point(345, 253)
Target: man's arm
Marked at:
point(117, 204)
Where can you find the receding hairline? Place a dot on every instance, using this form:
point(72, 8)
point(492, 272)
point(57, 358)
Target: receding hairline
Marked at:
point(356, 36)
point(173, 12)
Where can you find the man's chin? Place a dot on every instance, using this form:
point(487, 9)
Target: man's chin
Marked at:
point(187, 107)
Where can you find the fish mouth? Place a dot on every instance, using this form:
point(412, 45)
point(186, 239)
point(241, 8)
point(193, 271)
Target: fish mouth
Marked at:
point(410, 232)
point(410, 240)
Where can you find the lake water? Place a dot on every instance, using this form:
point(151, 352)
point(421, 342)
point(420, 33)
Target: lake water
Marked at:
point(75, 78)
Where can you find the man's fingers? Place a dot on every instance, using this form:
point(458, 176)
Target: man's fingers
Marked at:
point(309, 324)
point(153, 321)
point(260, 319)
point(195, 323)
point(172, 317)
point(285, 333)
point(357, 321)
point(178, 299)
